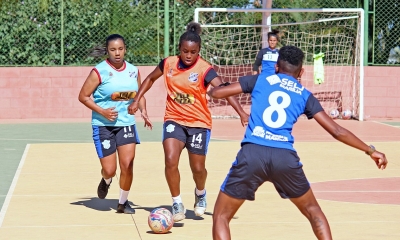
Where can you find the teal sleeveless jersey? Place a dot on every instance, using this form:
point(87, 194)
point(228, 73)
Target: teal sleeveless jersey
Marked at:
point(113, 80)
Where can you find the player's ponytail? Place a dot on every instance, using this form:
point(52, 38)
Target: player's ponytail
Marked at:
point(193, 30)
point(98, 51)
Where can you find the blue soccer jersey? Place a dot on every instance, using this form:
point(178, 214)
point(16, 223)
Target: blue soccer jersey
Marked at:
point(111, 81)
point(267, 58)
point(277, 102)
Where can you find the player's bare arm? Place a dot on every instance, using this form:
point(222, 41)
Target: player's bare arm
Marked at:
point(219, 92)
point(144, 87)
point(89, 86)
point(142, 108)
point(244, 117)
point(347, 137)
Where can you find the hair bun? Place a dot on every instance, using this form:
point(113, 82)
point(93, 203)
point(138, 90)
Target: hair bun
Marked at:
point(194, 27)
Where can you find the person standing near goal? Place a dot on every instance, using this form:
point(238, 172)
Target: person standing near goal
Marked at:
point(267, 57)
point(114, 129)
point(187, 120)
point(267, 152)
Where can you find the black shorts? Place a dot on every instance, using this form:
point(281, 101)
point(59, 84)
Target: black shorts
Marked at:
point(196, 139)
point(107, 139)
point(256, 164)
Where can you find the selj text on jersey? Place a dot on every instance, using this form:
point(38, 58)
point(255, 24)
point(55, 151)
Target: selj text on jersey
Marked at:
point(114, 80)
point(186, 94)
point(277, 102)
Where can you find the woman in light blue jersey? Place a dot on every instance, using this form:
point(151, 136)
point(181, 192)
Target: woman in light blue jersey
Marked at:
point(267, 57)
point(113, 83)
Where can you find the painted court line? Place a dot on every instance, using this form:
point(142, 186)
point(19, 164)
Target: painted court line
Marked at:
point(13, 185)
point(68, 226)
point(387, 124)
point(45, 140)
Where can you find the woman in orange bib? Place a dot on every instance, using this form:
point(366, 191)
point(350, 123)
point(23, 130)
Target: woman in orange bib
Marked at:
point(187, 120)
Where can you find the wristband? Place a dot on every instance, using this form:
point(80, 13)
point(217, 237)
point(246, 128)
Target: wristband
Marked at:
point(371, 150)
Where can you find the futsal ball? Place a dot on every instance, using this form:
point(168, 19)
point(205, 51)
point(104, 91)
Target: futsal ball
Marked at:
point(334, 113)
point(346, 114)
point(160, 220)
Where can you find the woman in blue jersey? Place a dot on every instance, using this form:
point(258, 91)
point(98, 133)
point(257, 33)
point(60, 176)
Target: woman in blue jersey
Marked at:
point(267, 152)
point(267, 57)
point(114, 129)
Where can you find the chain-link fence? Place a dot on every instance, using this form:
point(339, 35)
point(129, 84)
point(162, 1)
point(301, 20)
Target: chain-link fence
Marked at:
point(384, 32)
point(61, 32)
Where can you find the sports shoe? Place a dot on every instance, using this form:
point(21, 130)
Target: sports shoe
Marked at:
point(200, 204)
point(102, 190)
point(178, 212)
point(125, 208)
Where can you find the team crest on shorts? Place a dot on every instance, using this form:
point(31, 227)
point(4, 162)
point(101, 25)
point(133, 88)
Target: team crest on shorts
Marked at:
point(170, 128)
point(193, 77)
point(106, 144)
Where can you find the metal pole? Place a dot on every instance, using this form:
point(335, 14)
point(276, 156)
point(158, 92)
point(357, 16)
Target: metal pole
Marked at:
point(366, 35)
point(158, 30)
point(166, 28)
point(266, 21)
point(62, 32)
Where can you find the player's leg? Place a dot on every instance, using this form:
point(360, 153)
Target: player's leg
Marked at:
point(310, 208)
point(248, 172)
point(199, 172)
point(126, 139)
point(105, 144)
point(224, 210)
point(174, 140)
point(197, 146)
point(290, 181)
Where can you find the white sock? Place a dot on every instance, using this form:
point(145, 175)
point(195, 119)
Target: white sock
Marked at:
point(177, 199)
point(200, 192)
point(108, 181)
point(123, 196)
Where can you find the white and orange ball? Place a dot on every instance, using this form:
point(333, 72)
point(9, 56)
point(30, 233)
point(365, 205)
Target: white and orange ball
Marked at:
point(334, 113)
point(346, 114)
point(160, 220)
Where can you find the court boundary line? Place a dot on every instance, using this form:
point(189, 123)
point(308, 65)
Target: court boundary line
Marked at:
point(385, 124)
point(13, 185)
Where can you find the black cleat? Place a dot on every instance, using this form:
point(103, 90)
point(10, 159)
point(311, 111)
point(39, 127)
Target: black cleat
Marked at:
point(125, 208)
point(102, 190)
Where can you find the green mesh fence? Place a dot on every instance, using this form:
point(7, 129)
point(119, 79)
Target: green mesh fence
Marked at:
point(384, 34)
point(61, 32)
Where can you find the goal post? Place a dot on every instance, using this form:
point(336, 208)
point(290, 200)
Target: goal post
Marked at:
point(231, 39)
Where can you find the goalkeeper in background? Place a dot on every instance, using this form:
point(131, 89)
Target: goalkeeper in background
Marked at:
point(267, 57)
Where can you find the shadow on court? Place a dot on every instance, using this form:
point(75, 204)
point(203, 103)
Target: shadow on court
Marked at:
point(99, 204)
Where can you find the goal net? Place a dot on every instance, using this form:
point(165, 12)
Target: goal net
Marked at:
point(231, 39)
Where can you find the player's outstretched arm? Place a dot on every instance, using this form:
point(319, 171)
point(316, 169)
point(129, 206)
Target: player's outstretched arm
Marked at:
point(347, 137)
point(227, 91)
point(144, 87)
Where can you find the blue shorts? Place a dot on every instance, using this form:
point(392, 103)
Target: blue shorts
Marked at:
point(196, 139)
point(256, 164)
point(107, 139)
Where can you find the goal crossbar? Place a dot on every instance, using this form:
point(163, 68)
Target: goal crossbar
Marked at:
point(358, 11)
